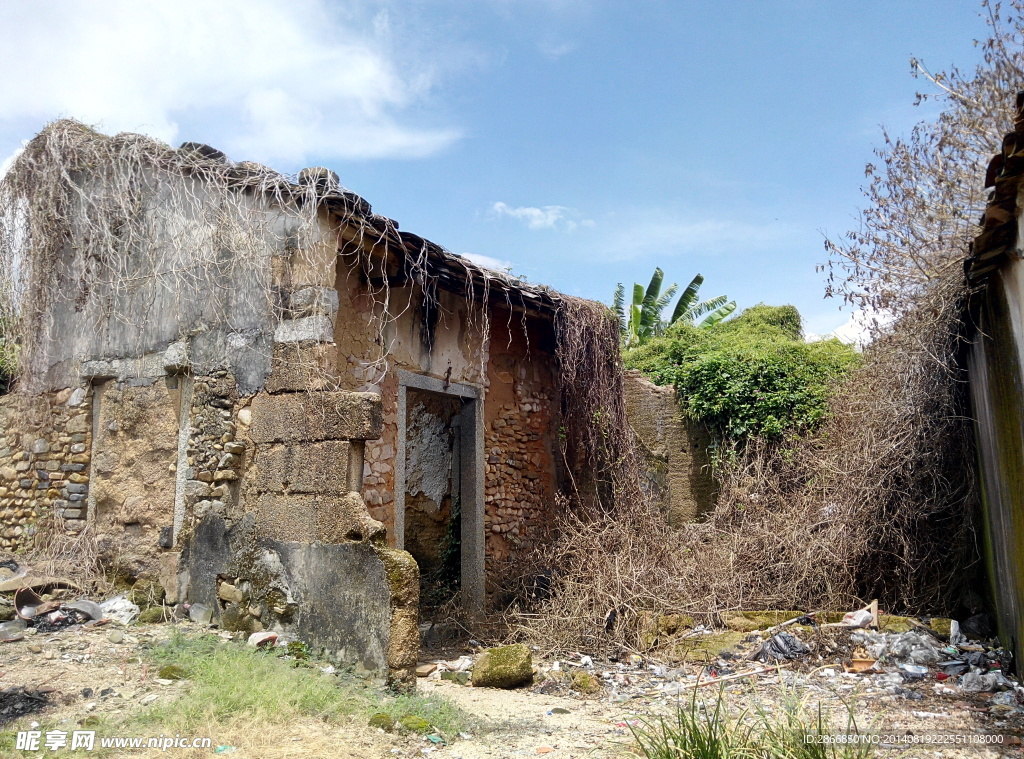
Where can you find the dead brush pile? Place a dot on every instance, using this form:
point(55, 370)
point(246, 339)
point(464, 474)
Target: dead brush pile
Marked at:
point(874, 503)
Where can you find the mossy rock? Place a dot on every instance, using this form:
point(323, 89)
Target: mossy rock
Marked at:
point(891, 623)
point(152, 615)
point(383, 721)
point(146, 593)
point(584, 682)
point(7, 613)
point(709, 646)
point(234, 619)
point(173, 672)
point(941, 625)
point(672, 624)
point(750, 621)
point(414, 724)
point(503, 667)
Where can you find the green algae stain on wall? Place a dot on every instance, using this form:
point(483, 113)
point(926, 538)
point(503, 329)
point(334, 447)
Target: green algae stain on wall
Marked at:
point(997, 399)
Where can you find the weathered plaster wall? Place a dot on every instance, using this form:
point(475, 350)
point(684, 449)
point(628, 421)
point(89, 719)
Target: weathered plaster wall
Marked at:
point(676, 451)
point(134, 462)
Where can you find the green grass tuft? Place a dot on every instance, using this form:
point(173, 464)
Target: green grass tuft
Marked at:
point(705, 730)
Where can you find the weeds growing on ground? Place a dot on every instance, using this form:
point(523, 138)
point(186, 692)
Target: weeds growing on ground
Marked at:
point(250, 698)
point(704, 729)
point(228, 680)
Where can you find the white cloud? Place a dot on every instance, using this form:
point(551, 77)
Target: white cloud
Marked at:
point(561, 218)
point(5, 165)
point(488, 263)
point(653, 231)
point(858, 330)
point(261, 79)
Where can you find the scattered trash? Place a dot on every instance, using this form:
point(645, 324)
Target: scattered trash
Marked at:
point(978, 627)
point(781, 646)
point(861, 618)
point(956, 637)
point(1005, 698)
point(913, 671)
point(328, 670)
point(860, 665)
point(17, 702)
point(13, 630)
point(90, 609)
point(258, 639)
point(224, 749)
point(972, 682)
point(120, 609)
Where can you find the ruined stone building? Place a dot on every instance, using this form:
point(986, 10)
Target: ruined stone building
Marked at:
point(258, 391)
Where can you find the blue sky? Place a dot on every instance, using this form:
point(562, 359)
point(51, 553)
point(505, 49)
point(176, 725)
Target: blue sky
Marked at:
point(582, 142)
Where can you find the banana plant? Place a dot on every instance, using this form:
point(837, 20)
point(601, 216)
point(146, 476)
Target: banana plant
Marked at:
point(643, 319)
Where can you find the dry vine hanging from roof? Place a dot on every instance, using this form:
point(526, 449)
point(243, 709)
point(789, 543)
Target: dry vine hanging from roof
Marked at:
point(112, 229)
point(598, 439)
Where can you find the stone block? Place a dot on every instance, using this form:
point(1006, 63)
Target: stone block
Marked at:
point(307, 468)
point(309, 417)
point(316, 329)
point(288, 518)
point(302, 367)
point(176, 358)
point(313, 301)
point(347, 520)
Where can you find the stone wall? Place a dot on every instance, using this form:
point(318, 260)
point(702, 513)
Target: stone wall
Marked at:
point(676, 450)
point(44, 464)
point(519, 443)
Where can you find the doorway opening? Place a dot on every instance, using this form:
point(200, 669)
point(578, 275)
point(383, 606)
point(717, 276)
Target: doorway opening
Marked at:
point(439, 489)
point(433, 479)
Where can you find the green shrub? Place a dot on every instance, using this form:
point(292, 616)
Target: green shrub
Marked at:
point(753, 375)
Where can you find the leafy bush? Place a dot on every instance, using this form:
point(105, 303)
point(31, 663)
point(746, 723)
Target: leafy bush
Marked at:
point(753, 375)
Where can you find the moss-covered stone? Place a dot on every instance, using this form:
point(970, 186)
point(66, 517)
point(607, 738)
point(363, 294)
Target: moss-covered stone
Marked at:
point(173, 672)
point(236, 619)
point(582, 681)
point(941, 625)
point(708, 646)
point(152, 615)
point(383, 721)
point(749, 621)
point(893, 624)
point(414, 724)
point(146, 593)
point(503, 667)
point(672, 624)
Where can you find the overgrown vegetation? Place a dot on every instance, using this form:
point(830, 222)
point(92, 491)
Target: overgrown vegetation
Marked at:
point(751, 376)
point(877, 500)
point(641, 319)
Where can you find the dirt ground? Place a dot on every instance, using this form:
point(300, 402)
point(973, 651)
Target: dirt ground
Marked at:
point(102, 670)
